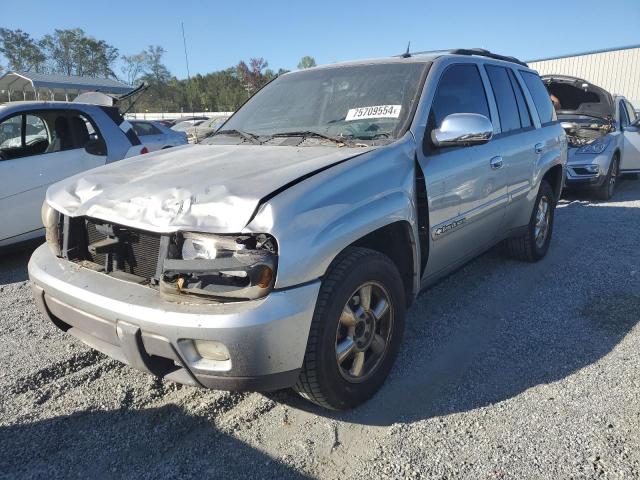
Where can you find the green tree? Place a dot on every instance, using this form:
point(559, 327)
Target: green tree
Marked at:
point(133, 67)
point(71, 52)
point(22, 52)
point(157, 72)
point(306, 62)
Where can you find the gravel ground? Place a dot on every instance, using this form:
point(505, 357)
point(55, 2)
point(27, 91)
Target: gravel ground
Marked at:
point(508, 370)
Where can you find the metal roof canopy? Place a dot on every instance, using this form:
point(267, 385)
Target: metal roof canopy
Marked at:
point(62, 84)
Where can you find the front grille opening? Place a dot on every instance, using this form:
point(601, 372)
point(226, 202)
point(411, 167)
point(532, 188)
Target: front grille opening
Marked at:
point(120, 251)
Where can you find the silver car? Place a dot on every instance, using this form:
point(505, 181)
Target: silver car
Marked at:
point(285, 250)
point(602, 132)
point(156, 136)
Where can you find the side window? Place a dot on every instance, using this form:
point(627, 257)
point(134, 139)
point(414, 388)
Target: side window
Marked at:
point(10, 137)
point(143, 129)
point(540, 96)
point(23, 136)
point(631, 112)
point(505, 98)
point(523, 109)
point(624, 118)
point(460, 90)
point(82, 130)
point(35, 130)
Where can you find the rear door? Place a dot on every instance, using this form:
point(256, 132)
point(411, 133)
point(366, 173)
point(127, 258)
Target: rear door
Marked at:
point(631, 150)
point(466, 194)
point(52, 148)
point(517, 139)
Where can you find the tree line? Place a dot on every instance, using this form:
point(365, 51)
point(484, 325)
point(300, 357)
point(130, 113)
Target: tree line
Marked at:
point(73, 52)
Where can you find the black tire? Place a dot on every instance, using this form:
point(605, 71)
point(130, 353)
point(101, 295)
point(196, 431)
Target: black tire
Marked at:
point(607, 189)
point(525, 247)
point(322, 380)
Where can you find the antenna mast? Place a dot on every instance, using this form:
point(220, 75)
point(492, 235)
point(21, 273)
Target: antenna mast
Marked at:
point(186, 59)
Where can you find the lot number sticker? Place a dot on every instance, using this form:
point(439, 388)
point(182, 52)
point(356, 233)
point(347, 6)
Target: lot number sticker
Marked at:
point(378, 111)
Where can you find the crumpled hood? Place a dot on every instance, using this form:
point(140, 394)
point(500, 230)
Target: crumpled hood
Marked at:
point(207, 188)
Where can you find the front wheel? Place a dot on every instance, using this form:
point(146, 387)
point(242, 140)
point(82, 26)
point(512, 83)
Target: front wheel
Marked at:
point(356, 330)
point(533, 244)
point(606, 190)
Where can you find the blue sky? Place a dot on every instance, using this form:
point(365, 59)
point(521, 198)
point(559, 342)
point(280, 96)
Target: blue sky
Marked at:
point(219, 34)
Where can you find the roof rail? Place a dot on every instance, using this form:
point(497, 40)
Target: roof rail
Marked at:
point(486, 53)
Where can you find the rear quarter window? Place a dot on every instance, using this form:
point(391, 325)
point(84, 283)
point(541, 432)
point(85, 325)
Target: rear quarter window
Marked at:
point(540, 97)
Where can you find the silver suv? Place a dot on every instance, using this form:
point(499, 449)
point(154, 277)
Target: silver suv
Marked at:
point(285, 251)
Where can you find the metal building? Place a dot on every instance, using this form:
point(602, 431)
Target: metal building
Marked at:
point(616, 70)
point(36, 86)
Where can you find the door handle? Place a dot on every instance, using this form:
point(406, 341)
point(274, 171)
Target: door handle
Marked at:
point(496, 162)
point(539, 147)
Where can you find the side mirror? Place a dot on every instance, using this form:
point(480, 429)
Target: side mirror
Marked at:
point(96, 146)
point(462, 129)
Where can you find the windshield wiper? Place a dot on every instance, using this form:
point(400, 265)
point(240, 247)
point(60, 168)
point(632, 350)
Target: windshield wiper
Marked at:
point(309, 133)
point(250, 137)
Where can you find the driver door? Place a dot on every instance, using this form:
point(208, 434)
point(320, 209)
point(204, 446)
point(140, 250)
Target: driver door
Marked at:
point(45, 147)
point(631, 153)
point(466, 186)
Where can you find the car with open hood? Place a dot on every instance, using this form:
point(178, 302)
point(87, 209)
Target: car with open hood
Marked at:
point(284, 250)
point(602, 132)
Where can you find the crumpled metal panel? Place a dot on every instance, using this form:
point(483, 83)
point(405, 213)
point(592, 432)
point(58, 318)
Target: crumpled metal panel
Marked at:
point(206, 188)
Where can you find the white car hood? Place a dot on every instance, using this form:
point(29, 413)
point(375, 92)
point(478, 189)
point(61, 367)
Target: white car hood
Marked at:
point(207, 188)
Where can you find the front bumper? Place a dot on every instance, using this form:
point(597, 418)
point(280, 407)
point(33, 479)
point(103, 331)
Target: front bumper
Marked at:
point(266, 338)
point(576, 175)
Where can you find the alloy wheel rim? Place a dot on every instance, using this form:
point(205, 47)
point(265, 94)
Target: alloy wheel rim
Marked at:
point(614, 176)
point(543, 215)
point(364, 332)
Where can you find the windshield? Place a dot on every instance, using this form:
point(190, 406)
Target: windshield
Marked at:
point(363, 102)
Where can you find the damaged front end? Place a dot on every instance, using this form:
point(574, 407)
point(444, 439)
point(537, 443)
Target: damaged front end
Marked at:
point(219, 267)
point(183, 267)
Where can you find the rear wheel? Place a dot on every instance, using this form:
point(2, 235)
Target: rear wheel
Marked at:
point(356, 330)
point(532, 245)
point(606, 190)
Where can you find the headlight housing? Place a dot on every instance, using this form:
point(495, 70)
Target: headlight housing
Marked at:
point(51, 222)
point(595, 147)
point(221, 267)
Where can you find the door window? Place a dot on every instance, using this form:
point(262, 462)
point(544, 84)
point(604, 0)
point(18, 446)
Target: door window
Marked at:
point(11, 133)
point(631, 112)
point(540, 96)
point(143, 129)
point(505, 98)
point(460, 90)
point(22, 136)
point(523, 109)
point(624, 119)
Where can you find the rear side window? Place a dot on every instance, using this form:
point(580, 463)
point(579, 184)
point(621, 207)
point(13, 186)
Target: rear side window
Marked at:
point(523, 109)
point(143, 129)
point(505, 98)
point(460, 90)
point(540, 97)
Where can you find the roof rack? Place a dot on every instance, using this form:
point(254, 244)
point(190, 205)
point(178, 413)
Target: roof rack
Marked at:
point(486, 53)
point(474, 51)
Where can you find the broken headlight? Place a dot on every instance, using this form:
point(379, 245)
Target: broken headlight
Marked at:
point(221, 267)
point(51, 222)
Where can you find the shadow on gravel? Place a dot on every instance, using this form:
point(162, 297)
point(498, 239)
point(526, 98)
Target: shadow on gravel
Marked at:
point(14, 260)
point(498, 327)
point(151, 443)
